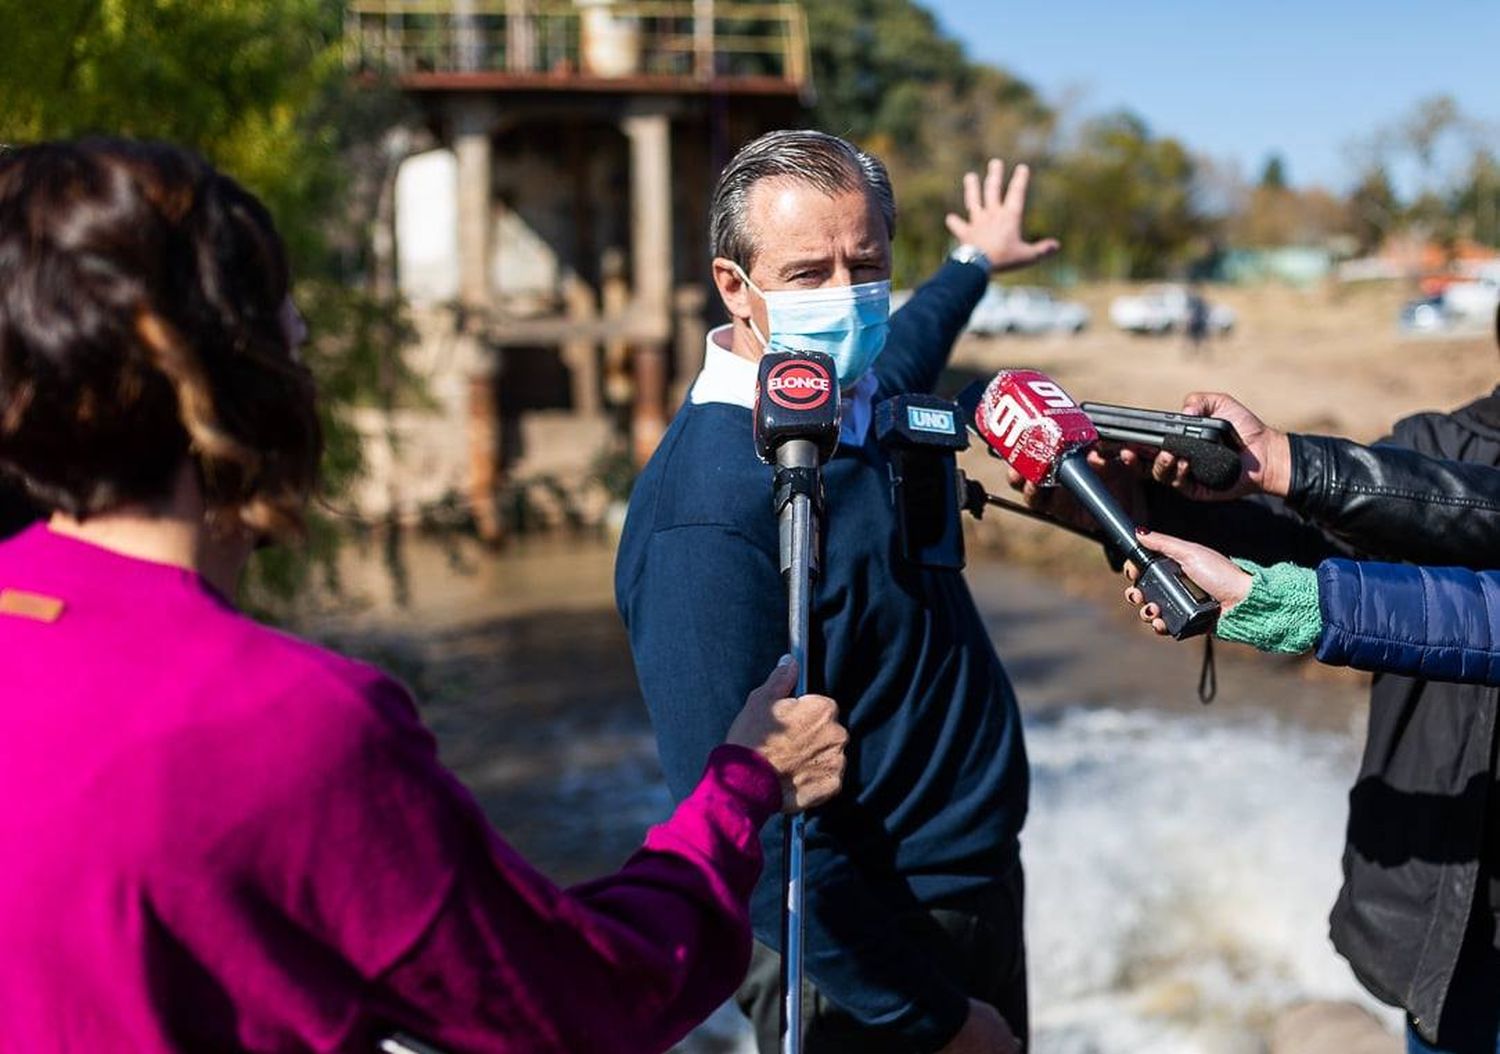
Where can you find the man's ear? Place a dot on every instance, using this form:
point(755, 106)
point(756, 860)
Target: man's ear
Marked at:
point(733, 289)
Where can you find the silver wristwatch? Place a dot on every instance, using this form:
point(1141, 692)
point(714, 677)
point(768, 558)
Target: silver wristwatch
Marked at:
point(971, 254)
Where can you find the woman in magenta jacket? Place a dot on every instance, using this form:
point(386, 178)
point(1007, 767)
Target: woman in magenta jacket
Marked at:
point(217, 836)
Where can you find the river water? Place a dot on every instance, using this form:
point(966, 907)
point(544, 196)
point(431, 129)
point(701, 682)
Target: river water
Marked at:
point(1180, 861)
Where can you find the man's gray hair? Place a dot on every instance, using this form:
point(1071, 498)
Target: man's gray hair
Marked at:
point(830, 164)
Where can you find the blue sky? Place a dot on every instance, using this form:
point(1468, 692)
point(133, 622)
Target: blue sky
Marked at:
point(1240, 79)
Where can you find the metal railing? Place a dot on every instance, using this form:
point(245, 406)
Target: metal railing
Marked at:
point(692, 40)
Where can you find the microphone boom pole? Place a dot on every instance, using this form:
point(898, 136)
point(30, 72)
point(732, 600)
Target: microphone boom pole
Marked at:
point(796, 429)
point(799, 528)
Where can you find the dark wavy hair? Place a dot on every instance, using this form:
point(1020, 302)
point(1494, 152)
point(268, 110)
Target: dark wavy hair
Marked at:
point(141, 298)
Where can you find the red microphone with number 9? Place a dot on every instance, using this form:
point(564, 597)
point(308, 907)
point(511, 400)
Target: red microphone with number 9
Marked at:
point(1031, 422)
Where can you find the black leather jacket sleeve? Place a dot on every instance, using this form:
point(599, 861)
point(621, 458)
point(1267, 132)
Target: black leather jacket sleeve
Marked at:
point(1258, 527)
point(1398, 504)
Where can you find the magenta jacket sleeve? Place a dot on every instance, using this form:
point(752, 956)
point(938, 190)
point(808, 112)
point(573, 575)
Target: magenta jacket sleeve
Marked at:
point(508, 961)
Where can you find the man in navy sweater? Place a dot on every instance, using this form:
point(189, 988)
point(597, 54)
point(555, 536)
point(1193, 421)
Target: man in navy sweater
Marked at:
point(913, 879)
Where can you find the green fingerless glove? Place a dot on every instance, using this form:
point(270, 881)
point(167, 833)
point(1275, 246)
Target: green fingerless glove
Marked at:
point(1281, 612)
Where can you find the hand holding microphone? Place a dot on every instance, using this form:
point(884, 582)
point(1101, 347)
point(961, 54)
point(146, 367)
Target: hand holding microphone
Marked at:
point(1206, 448)
point(1036, 427)
point(1215, 573)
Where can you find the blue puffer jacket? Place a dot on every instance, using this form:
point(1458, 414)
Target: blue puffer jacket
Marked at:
point(1438, 623)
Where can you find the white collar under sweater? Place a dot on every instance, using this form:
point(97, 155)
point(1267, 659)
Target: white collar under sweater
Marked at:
point(729, 378)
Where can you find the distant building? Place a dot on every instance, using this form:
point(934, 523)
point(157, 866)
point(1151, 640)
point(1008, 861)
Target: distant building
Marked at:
point(553, 242)
point(1297, 265)
point(1423, 261)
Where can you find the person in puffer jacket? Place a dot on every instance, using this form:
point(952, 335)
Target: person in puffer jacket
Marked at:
point(1416, 914)
point(1438, 623)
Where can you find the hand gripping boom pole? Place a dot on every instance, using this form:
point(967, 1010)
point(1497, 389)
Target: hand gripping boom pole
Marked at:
point(796, 429)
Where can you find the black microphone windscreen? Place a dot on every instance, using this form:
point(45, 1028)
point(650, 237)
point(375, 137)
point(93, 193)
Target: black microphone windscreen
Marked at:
point(1215, 466)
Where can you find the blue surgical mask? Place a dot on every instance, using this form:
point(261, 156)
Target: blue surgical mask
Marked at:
point(846, 322)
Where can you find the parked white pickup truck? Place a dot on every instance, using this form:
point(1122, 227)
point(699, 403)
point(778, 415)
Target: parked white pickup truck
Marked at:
point(1162, 309)
point(1026, 309)
point(1472, 303)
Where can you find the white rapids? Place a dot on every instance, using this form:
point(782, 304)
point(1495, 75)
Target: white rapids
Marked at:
point(1179, 870)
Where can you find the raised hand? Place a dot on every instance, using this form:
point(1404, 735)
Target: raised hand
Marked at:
point(995, 220)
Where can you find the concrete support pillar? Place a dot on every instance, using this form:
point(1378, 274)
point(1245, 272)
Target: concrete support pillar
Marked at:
point(473, 122)
point(703, 39)
point(468, 40)
point(484, 455)
point(619, 388)
point(691, 337)
point(581, 298)
point(581, 356)
point(520, 37)
point(649, 420)
point(650, 137)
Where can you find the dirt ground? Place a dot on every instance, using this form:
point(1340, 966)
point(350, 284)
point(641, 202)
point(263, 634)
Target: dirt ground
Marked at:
point(1324, 360)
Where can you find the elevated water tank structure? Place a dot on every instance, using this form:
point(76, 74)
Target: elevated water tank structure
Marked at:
point(577, 143)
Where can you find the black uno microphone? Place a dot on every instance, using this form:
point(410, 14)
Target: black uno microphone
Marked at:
point(921, 435)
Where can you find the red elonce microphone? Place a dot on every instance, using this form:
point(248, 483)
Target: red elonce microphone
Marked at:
point(1028, 420)
point(796, 401)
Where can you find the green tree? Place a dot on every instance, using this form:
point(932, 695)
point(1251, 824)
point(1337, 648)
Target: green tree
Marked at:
point(1123, 201)
point(1424, 129)
point(229, 78)
point(871, 59)
point(961, 127)
point(890, 79)
point(1374, 210)
point(1273, 176)
point(1476, 200)
point(258, 87)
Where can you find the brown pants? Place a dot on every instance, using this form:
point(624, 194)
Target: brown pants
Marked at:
point(976, 939)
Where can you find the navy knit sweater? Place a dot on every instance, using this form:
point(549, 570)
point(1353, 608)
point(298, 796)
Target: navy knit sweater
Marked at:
point(936, 787)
